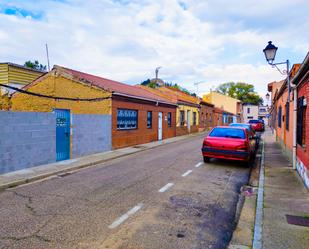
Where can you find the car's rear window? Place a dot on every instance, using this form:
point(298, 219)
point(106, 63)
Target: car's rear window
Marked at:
point(228, 133)
point(239, 125)
point(254, 121)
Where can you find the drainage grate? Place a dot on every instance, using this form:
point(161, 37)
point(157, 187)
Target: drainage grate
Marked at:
point(297, 220)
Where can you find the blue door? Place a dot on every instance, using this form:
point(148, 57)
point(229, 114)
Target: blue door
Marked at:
point(62, 134)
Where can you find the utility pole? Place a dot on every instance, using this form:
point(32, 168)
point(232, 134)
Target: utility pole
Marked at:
point(47, 57)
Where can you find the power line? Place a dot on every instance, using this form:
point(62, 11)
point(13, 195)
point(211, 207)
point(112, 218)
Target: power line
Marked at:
point(54, 97)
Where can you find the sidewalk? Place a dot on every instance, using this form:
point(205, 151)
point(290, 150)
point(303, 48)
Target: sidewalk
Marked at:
point(19, 177)
point(284, 194)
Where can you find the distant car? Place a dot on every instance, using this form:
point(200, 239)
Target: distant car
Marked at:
point(249, 128)
point(232, 143)
point(257, 125)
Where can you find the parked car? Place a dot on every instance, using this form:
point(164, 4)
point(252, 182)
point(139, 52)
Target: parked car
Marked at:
point(250, 129)
point(257, 124)
point(232, 143)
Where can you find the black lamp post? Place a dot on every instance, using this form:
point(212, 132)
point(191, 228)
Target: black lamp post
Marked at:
point(270, 54)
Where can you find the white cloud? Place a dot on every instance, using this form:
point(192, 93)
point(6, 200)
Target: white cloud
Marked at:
point(213, 41)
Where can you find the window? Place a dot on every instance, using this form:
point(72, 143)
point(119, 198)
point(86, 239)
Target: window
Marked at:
point(248, 110)
point(301, 122)
point(126, 119)
point(228, 132)
point(279, 116)
point(194, 118)
point(287, 115)
point(182, 118)
point(169, 119)
point(149, 120)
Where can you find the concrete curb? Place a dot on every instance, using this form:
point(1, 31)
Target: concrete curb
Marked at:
point(242, 237)
point(54, 168)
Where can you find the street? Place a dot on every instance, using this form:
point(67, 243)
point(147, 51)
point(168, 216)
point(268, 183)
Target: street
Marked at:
point(165, 197)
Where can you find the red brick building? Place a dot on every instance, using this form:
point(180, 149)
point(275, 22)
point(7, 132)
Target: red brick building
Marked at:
point(138, 116)
point(206, 116)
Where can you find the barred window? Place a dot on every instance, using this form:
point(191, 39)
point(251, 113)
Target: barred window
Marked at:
point(182, 118)
point(149, 119)
point(169, 119)
point(126, 119)
point(301, 122)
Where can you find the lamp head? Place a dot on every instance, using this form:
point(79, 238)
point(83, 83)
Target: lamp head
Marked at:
point(270, 52)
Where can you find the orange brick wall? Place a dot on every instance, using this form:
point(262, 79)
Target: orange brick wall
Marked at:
point(284, 136)
point(123, 138)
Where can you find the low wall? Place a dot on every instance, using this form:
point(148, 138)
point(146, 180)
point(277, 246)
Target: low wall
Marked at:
point(91, 134)
point(27, 139)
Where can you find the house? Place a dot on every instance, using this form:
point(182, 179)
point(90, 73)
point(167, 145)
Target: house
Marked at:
point(226, 103)
point(301, 81)
point(187, 114)
point(250, 112)
point(282, 113)
point(16, 76)
point(206, 113)
point(136, 116)
point(263, 112)
point(273, 88)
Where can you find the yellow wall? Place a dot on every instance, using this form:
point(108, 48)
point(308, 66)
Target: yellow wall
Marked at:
point(10, 74)
point(222, 101)
point(62, 87)
point(187, 108)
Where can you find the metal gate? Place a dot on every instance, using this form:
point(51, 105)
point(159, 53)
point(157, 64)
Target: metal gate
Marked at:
point(62, 134)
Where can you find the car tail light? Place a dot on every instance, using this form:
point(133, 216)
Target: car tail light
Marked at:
point(206, 143)
point(243, 147)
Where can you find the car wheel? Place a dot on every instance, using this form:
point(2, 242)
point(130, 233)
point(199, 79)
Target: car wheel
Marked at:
point(206, 159)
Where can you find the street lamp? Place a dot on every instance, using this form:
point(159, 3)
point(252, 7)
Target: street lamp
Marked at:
point(270, 54)
point(267, 96)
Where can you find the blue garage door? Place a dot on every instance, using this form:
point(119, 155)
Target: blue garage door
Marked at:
point(62, 134)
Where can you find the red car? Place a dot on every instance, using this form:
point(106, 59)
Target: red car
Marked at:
point(233, 143)
point(257, 125)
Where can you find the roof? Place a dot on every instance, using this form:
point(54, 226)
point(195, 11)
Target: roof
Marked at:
point(302, 71)
point(175, 96)
point(23, 67)
point(114, 87)
point(203, 102)
point(220, 110)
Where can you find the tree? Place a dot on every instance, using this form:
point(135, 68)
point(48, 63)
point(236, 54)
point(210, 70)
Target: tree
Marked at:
point(35, 65)
point(242, 91)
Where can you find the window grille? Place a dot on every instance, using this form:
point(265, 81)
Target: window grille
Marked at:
point(127, 119)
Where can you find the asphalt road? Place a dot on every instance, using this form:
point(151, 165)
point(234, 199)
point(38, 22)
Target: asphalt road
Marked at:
point(165, 197)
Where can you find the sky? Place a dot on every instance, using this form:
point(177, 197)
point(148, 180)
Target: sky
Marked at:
point(206, 41)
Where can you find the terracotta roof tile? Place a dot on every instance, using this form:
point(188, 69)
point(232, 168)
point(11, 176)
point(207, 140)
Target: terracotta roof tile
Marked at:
point(112, 86)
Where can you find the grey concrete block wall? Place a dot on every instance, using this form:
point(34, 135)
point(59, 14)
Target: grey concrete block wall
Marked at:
point(27, 139)
point(91, 134)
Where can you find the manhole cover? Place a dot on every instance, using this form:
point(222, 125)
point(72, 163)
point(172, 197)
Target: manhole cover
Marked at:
point(297, 220)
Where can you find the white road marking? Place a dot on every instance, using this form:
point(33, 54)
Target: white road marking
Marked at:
point(122, 218)
point(198, 165)
point(166, 187)
point(186, 173)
